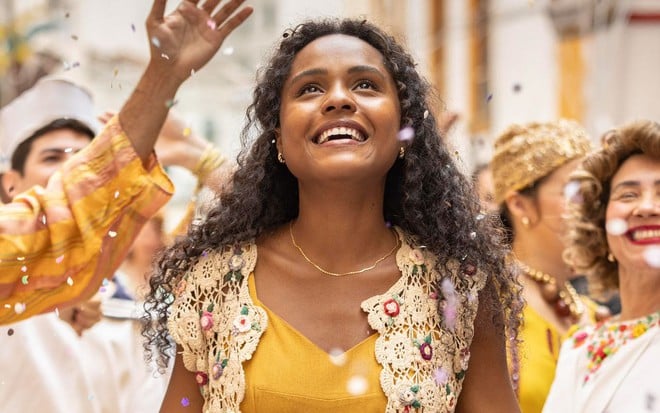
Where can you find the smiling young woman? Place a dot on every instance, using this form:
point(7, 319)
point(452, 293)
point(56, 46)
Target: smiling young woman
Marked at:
point(344, 269)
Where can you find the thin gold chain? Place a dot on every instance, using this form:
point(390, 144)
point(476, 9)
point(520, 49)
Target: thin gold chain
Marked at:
point(341, 274)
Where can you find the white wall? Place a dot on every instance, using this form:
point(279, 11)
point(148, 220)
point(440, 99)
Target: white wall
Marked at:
point(523, 51)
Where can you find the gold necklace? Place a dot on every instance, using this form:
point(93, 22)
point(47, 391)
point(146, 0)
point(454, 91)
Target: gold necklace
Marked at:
point(341, 274)
point(565, 302)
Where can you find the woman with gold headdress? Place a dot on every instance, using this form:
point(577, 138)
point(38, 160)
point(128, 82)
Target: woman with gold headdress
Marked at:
point(531, 166)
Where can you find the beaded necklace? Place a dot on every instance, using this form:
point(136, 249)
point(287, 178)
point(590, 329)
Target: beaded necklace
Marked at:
point(565, 302)
point(608, 337)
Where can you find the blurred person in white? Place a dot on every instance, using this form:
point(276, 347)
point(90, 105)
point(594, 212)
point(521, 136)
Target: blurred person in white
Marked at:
point(614, 239)
point(94, 367)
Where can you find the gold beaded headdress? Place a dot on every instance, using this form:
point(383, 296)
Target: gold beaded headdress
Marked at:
point(526, 153)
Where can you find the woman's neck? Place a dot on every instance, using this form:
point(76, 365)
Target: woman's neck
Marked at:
point(541, 258)
point(639, 292)
point(342, 231)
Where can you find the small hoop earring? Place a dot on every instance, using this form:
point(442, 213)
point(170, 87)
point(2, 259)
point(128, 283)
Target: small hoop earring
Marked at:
point(610, 257)
point(280, 157)
point(402, 152)
point(525, 222)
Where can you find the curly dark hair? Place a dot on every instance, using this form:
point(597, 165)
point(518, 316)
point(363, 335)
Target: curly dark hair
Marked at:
point(426, 194)
point(587, 238)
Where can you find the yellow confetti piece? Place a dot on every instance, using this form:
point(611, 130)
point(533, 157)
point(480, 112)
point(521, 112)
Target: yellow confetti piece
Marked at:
point(186, 132)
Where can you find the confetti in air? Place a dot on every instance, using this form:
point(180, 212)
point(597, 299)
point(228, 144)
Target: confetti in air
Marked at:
point(211, 24)
point(132, 27)
point(155, 42)
point(20, 258)
point(59, 259)
point(24, 280)
point(24, 269)
point(185, 402)
point(449, 305)
point(489, 97)
point(440, 376)
point(112, 234)
point(517, 88)
point(406, 134)
point(10, 332)
point(69, 281)
point(116, 194)
point(616, 226)
point(164, 56)
point(337, 357)
point(74, 37)
point(572, 192)
point(228, 51)
point(186, 132)
point(19, 308)
point(652, 256)
point(426, 114)
point(357, 385)
point(170, 102)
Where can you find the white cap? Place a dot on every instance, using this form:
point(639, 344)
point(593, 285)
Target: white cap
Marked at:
point(50, 99)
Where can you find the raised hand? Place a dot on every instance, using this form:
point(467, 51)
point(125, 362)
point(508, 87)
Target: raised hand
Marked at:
point(189, 37)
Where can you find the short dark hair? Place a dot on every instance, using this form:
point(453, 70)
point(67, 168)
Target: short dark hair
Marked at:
point(22, 151)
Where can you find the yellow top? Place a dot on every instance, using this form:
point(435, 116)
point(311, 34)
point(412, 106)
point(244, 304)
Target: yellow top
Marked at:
point(538, 358)
point(539, 352)
point(244, 356)
point(58, 243)
point(290, 373)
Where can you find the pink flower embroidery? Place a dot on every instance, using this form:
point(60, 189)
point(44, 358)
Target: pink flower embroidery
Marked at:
point(206, 321)
point(242, 323)
point(391, 307)
point(416, 256)
point(201, 378)
point(426, 351)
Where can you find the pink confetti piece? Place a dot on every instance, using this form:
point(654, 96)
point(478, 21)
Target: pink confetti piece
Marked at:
point(59, 259)
point(185, 402)
point(440, 376)
point(406, 134)
point(211, 24)
point(24, 268)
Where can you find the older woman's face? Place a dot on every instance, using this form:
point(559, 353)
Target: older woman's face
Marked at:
point(635, 201)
